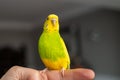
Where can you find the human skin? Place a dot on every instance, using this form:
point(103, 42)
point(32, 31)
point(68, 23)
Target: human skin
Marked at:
point(23, 73)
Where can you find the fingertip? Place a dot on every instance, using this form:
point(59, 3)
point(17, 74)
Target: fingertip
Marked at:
point(88, 73)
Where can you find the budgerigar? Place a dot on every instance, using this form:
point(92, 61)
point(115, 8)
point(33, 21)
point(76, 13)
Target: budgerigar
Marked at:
point(52, 49)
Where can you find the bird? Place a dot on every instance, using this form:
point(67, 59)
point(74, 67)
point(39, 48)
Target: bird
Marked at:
point(51, 46)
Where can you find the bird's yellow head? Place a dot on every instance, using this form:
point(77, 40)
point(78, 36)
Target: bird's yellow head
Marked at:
point(51, 23)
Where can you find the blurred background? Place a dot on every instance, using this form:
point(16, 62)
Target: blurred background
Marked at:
point(90, 28)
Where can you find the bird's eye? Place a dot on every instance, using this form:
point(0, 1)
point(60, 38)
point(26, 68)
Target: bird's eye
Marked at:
point(47, 18)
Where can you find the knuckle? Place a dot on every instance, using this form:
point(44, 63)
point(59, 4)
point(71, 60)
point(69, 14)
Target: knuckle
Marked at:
point(16, 71)
point(15, 68)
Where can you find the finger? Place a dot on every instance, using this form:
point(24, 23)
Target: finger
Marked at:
point(73, 74)
point(21, 73)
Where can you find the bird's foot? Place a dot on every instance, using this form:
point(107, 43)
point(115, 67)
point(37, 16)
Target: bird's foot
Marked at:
point(44, 70)
point(62, 72)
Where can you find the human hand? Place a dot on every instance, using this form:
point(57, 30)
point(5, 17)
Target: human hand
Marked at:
point(22, 73)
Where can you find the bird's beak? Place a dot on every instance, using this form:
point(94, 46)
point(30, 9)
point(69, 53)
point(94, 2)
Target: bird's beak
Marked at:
point(53, 21)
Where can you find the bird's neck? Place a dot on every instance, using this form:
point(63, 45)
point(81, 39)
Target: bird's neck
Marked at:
point(51, 31)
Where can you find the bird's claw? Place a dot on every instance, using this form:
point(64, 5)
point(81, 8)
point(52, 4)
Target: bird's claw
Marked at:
point(62, 72)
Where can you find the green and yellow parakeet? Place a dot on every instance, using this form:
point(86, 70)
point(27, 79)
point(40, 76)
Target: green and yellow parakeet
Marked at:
point(52, 49)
